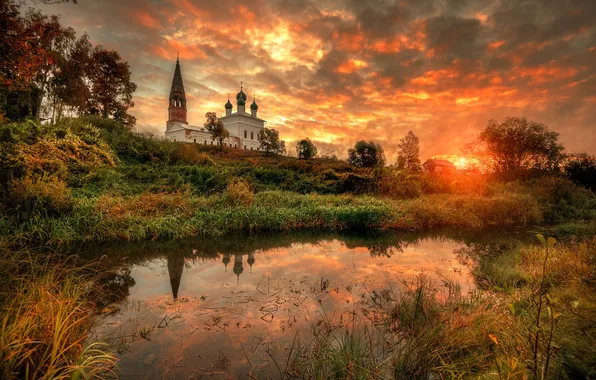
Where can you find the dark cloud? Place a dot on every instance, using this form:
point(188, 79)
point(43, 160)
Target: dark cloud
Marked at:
point(343, 70)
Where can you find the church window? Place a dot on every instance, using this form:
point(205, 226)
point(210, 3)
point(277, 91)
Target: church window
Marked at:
point(195, 140)
point(244, 146)
point(245, 134)
point(211, 142)
point(252, 135)
point(205, 142)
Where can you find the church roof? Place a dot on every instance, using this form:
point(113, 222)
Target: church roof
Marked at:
point(177, 85)
point(438, 162)
point(243, 114)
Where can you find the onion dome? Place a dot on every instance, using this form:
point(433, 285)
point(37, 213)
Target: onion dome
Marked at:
point(241, 96)
point(226, 258)
point(254, 105)
point(229, 105)
point(251, 260)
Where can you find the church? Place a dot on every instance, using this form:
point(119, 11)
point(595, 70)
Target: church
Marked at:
point(244, 127)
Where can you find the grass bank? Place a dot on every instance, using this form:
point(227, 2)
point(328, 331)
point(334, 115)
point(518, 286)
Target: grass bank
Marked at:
point(533, 319)
point(180, 214)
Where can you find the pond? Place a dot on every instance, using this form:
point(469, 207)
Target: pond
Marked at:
point(222, 307)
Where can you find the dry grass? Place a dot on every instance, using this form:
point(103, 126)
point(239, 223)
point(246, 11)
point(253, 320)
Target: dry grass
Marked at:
point(44, 322)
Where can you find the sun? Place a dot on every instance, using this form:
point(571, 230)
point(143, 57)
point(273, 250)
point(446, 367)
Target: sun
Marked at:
point(462, 163)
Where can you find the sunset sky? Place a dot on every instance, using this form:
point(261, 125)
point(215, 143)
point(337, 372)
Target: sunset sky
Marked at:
point(339, 71)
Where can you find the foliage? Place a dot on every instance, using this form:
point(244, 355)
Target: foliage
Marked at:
point(409, 152)
point(43, 196)
point(305, 149)
point(238, 193)
point(397, 183)
point(269, 140)
point(516, 144)
point(366, 154)
point(110, 92)
point(216, 128)
point(46, 71)
point(581, 169)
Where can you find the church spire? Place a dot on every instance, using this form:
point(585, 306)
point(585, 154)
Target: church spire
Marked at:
point(175, 269)
point(177, 107)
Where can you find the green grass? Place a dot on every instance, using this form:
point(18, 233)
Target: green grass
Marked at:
point(176, 215)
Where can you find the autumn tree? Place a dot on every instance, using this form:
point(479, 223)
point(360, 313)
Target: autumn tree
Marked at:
point(517, 144)
point(28, 45)
point(408, 152)
point(110, 85)
point(305, 149)
point(366, 154)
point(216, 128)
point(269, 140)
point(69, 92)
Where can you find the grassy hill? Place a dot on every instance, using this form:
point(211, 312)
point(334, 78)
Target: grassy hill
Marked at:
point(94, 180)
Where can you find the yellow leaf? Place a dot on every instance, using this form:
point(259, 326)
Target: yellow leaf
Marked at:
point(493, 338)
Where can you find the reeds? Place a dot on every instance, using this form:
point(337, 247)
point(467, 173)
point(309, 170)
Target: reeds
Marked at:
point(45, 315)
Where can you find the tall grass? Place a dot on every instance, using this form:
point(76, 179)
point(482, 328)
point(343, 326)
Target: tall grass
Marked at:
point(419, 331)
point(45, 315)
point(180, 213)
point(547, 297)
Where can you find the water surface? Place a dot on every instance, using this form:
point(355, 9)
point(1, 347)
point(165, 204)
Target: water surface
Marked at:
point(217, 308)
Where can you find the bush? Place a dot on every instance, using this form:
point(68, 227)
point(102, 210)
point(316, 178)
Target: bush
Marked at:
point(45, 196)
point(238, 193)
point(582, 171)
point(397, 183)
point(185, 153)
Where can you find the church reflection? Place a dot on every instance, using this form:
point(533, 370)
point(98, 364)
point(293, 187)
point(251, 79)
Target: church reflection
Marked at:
point(175, 263)
point(175, 269)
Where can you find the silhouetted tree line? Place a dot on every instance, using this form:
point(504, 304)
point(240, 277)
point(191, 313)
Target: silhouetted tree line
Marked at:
point(45, 70)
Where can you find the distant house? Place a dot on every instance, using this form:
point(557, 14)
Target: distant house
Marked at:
point(438, 166)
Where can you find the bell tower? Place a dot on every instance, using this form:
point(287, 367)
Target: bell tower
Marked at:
point(177, 107)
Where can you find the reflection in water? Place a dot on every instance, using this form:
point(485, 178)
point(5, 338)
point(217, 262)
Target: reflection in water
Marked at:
point(209, 321)
point(175, 268)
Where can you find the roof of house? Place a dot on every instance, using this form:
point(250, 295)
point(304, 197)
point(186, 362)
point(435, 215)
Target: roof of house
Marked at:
point(438, 162)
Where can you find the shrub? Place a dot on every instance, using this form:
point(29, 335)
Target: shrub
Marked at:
point(188, 154)
point(47, 195)
point(582, 171)
point(397, 183)
point(238, 193)
point(357, 184)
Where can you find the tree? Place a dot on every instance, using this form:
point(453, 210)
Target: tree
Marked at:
point(269, 139)
point(282, 148)
point(111, 88)
point(216, 128)
point(408, 152)
point(581, 169)
point(517, 144)
point(30, 45)
point(366, 154)
point(306, 149)
point(69, 92)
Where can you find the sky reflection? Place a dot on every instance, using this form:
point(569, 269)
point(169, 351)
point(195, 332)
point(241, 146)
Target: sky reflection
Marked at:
point(207, 315)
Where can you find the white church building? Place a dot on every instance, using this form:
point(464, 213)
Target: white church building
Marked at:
point(244, 127)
